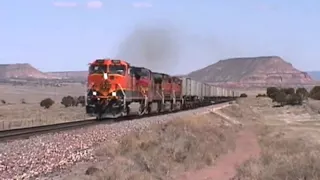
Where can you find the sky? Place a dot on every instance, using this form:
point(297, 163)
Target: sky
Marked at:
point(67, 35)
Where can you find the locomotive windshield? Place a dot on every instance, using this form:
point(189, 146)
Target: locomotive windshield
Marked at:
point(117, 69)
point(157, 76)
point(141, 72)
point(97, 69)
point(144, 73)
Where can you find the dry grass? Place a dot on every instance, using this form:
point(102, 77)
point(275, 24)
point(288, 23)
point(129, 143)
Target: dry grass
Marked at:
point(288, 136)
point(165, 150)
point(314, 105)
point(16, 114)
point(290, 148)
point(285, 155)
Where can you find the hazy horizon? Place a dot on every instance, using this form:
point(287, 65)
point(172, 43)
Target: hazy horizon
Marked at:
point(312, 71)
point(67, 35)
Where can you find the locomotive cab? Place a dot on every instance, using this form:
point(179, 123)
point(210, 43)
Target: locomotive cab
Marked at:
point(176, 87)
point(107, 81)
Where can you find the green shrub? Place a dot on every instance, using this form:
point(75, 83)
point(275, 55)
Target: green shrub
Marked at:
point(243, 95)
point(315, 93)
point(68, 101)
point(293, 99)
point(271, 92)
point(280, 97)
point(82, 100)
point(302, 92)
point(286, 96)
point(46, 103)
point(288, 90)
point(261, 95)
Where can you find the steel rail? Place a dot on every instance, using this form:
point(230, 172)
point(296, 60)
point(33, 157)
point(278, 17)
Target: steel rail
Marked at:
point(26, 132)
point(34, 130)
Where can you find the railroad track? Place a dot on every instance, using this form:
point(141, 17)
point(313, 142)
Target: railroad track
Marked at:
point(34, 130)
point(20, 133)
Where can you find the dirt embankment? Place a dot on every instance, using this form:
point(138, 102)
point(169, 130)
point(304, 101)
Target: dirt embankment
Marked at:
point(285, 155)
point(163, 151)
point(174, 147)
point(289, 141)
point(247, 140)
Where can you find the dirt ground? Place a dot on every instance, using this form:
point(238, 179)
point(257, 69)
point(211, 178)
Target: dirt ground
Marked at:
point(247, 140)
point(289, 141)
point(16, 114)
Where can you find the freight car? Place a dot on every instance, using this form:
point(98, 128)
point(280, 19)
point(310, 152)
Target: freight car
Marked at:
point(116, 89)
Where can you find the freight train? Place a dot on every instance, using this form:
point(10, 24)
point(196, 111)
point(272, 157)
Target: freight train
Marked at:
point(115, 89)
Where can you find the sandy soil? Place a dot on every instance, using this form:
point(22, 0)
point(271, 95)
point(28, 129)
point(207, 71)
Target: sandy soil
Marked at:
point(288, 138)
point(15, 114)
point(246, 147)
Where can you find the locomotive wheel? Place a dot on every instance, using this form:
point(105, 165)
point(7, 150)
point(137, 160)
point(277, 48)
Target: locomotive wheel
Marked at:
point(149, 109)
point(127, 110)
point(171, 108)
point(160, 107)
point(141, 111)
point(98, 117)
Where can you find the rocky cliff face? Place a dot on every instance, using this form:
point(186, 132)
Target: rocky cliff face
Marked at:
point(26, 71)
point(252, 71)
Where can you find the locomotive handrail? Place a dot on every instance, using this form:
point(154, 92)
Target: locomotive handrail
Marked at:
point(159, 93)
point(124, 95)
point(162, 97)
point(174, 96)
point(145, 104)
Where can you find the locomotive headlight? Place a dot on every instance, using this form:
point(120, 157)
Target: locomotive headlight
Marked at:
point(94, 93)
point(105, 76)
point(114, 93)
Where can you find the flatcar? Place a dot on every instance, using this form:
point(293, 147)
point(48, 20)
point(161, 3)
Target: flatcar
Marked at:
point(115, 89)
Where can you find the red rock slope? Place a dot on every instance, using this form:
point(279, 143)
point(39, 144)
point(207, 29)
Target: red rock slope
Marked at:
point(21, 70)
point(252, 71)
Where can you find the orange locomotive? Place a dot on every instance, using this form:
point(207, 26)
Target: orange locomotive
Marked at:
point(115, 89)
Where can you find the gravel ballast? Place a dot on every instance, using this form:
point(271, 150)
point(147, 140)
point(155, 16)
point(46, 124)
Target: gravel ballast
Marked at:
point(43, 154)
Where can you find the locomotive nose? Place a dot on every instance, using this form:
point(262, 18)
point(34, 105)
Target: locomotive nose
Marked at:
point(95, 79)
point(99, 85)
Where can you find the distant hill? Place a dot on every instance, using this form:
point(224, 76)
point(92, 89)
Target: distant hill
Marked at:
point(27, 71)
point(314, 74)
point(259, 71)
point(23, 71)
point(234, 72)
